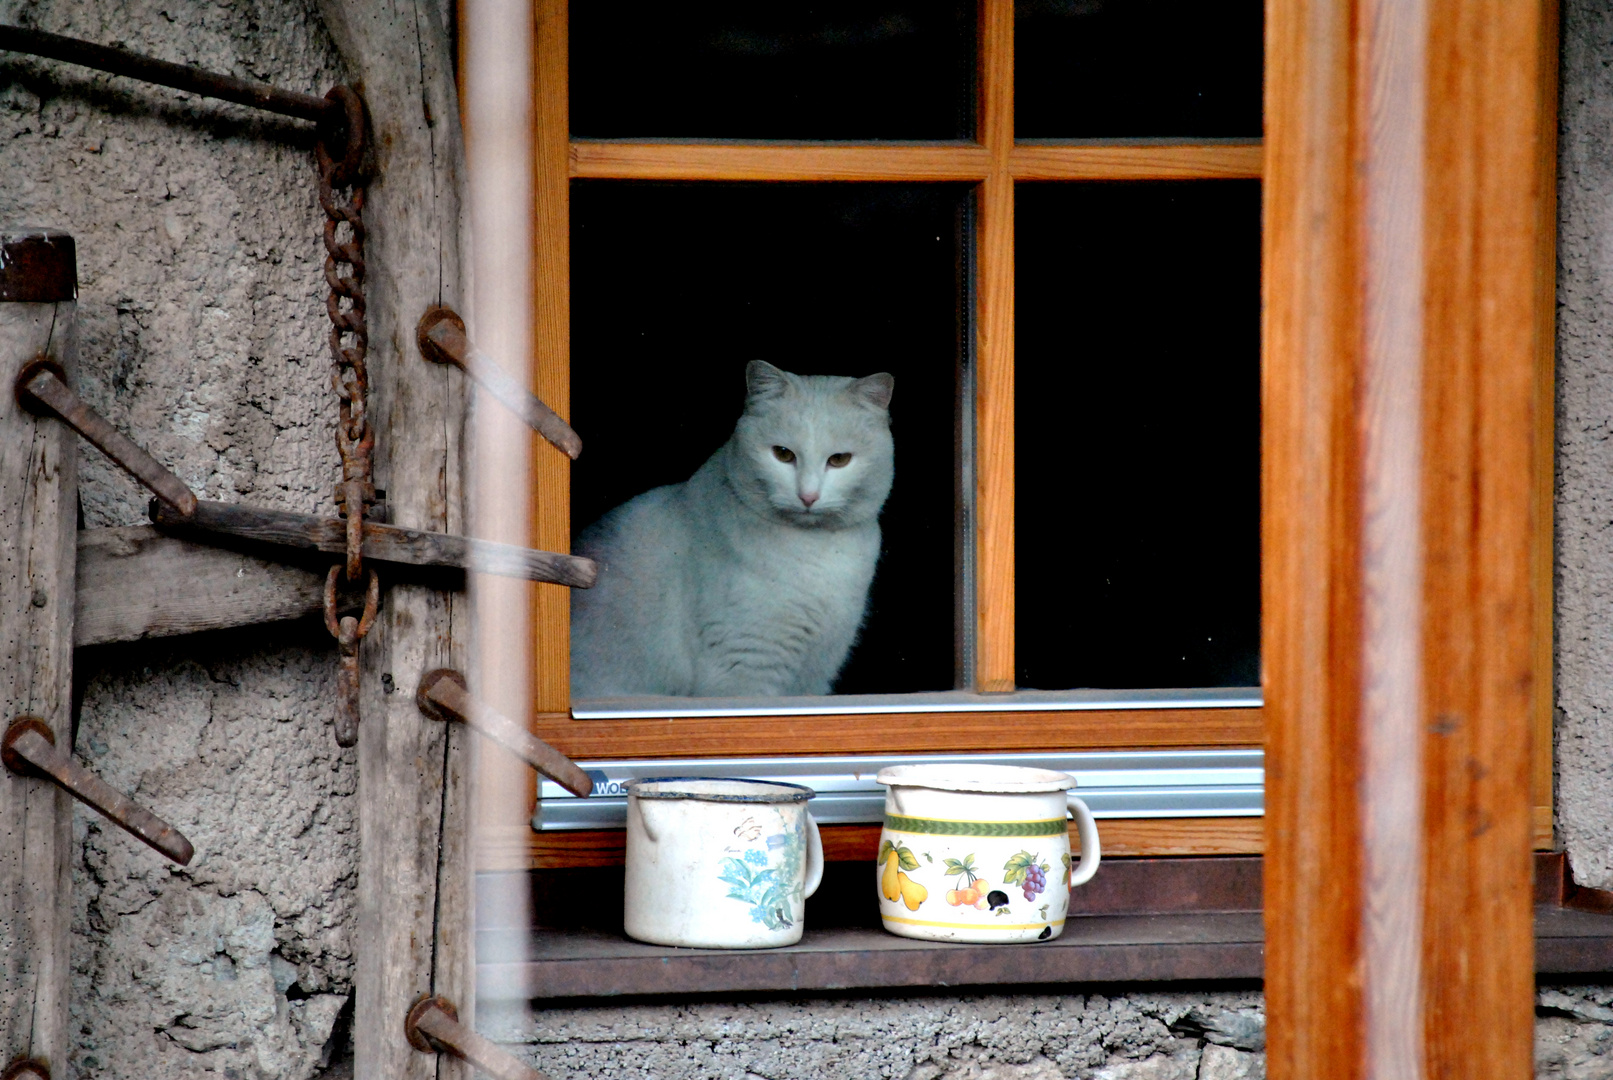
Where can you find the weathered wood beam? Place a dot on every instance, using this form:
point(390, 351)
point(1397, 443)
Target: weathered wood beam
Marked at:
point(414, 870)
point(383, 543)
point(38, 482)
point(135, 583)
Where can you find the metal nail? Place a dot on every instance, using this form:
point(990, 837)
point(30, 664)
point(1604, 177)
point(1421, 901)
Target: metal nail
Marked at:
point(441, 337)
point(26, 1069)
point(42, 389)
point(442, 696)
point(433, 1025)
point(29, 749)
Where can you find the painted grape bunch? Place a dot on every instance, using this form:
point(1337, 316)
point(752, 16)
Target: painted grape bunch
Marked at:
point(1028, 872)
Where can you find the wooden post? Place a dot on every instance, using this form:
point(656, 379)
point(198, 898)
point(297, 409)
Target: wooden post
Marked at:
point(38, 505)
point(413, 888)
point(1407, 316)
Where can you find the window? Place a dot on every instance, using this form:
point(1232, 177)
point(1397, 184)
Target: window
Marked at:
point(700, 179)
point(1135, 116)
point(1485, 421)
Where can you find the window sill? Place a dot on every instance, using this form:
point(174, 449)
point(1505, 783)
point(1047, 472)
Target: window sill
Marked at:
point(1209, 931)
point(1098, 948)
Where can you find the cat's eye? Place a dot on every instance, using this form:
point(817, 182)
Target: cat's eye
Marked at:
point(784, 454)
point(839, 461)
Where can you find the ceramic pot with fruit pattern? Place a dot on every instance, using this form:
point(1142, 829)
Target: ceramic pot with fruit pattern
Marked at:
point(719, 864)
point(980, 853)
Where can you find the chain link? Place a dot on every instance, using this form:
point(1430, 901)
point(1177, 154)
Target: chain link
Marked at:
point(341, 196)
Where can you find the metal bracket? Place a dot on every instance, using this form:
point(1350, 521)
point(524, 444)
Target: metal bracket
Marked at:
point(42, 389)
point(441, 337)
point(442, 696)
point(433, 1025)
point(29, 749)
point(26, 1069)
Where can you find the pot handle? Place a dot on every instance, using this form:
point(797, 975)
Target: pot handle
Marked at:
point(1088, 829)
point(814, 860)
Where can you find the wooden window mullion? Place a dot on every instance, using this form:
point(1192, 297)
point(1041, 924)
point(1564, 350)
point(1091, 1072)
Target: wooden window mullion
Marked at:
point(993, 518)
point(551, 472)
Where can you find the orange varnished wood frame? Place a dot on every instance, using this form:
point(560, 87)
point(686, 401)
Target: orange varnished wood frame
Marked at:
point(957, 162)
point(1406, 530)
point(901, 732)
point(522, 849)
point(993, 163)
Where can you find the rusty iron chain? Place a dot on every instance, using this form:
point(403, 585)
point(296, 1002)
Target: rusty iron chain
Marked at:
point(341, 196)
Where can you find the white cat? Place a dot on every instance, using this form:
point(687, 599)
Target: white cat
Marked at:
point(752, 576)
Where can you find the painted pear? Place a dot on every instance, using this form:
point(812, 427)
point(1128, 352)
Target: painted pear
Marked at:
point(887, 880)
point(913, 893)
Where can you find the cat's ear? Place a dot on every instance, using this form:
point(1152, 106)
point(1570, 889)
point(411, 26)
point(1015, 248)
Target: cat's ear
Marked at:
point(876, 390)
point(763, 380)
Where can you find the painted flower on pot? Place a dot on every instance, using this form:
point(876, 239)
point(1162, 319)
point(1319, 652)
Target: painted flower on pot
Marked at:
point(751, 881)
point(775, 892)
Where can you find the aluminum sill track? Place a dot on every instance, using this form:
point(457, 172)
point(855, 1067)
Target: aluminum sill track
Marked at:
point(1131, 784)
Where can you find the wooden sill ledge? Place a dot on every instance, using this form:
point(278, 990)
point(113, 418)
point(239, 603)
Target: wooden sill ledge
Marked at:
point(1141, 920)
point(1097, 948)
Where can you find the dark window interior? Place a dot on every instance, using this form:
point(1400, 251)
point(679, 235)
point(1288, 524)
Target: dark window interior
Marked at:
point(675, 287)
point(1137, 462)
point(1137, 69)
point(785, 69)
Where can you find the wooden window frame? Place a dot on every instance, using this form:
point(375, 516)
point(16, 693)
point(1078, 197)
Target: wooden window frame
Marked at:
point(994, 163)
point(1407, 538)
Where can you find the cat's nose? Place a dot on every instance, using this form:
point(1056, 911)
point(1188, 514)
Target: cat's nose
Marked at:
point(808, 498)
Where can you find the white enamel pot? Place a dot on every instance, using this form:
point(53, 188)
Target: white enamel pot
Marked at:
point(980, 853)
point(719, 864)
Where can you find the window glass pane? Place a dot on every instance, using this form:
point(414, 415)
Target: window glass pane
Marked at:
point(1137, 432)
point(848, 69)
point(675, 289)
point(1087, 69)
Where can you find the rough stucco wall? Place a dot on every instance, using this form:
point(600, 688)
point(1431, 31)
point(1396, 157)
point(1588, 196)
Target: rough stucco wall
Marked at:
point(202, 326)
point(1574, 1032)
point(1141, 1036)
point(1584, 448)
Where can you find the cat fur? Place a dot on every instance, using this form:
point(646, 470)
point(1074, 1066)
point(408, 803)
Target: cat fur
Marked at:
point(751, 577)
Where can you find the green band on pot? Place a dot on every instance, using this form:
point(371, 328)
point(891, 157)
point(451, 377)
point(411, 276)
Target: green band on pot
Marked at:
point(938, 827)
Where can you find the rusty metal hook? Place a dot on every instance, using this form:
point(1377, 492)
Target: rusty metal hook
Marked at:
point(442, 695)
point(29, 749)
point(343, 126)
point(348, 632)
point(42, 389)
point(441, 337)
point(433, 1025)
